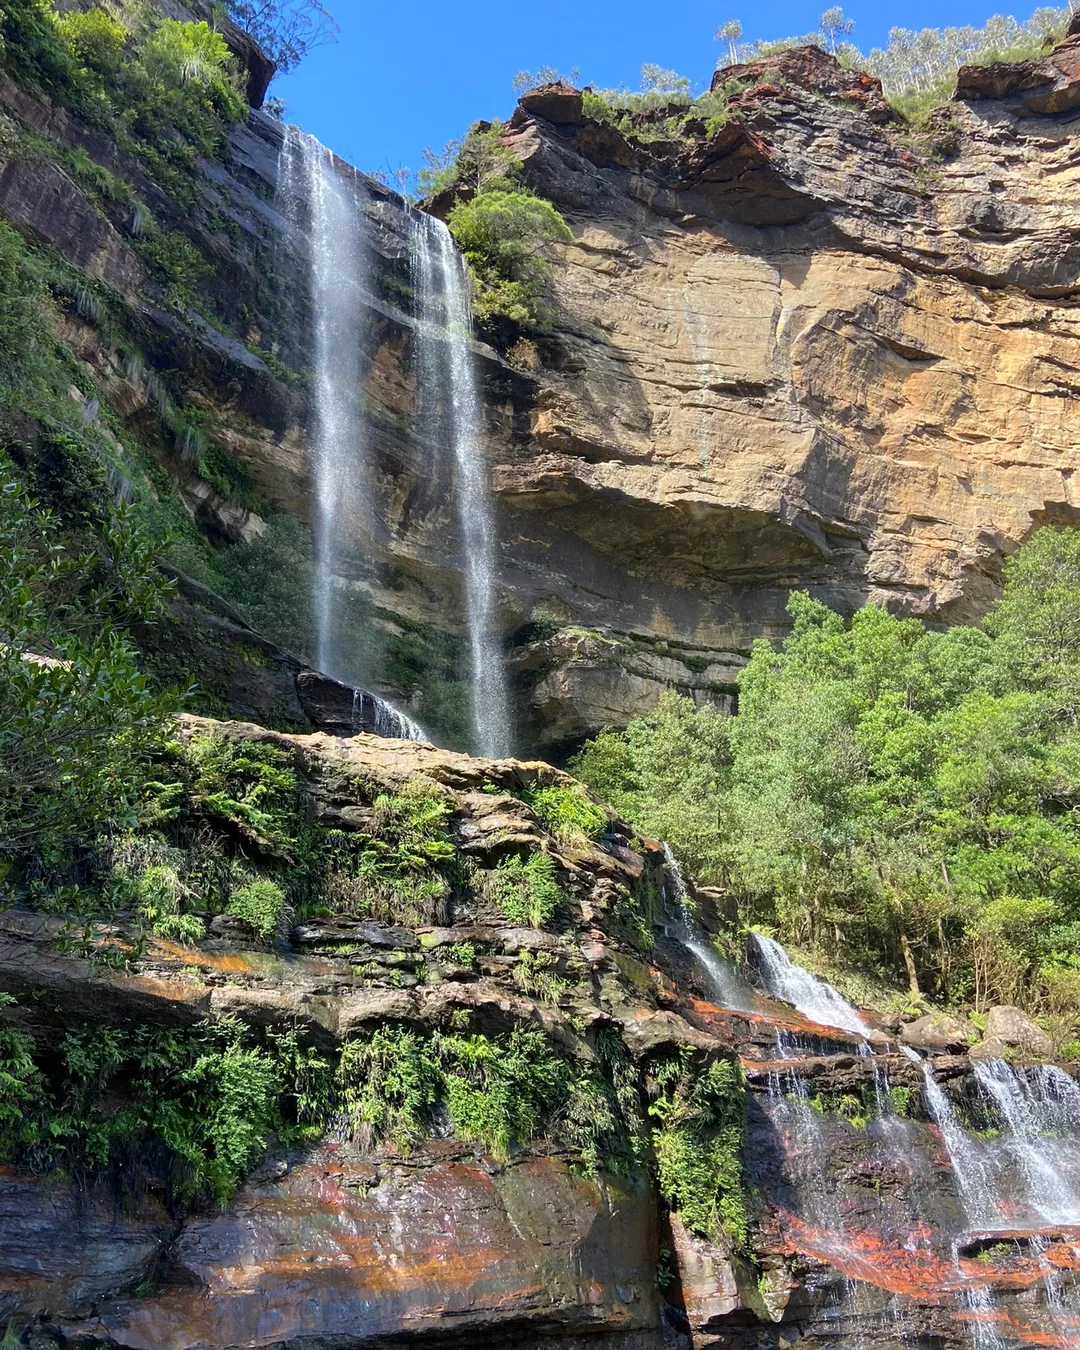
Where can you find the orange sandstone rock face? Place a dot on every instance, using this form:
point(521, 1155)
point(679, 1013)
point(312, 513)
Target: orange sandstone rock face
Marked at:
point(340, 1249)
point(837, 365)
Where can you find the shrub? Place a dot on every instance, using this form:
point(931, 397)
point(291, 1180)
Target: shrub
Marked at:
point(19, 1079)
point(248, 787)
point(389, 1086)
point(161, 895)
point(94, 38)
point(208, 1099)
point(77, 718)
point(498, 1092)
point(568, 813)
point(177, 52)
point(477, 163)
point(527, 891)
point(698, 1143)
point(503, 233)
point(260, 904)
point(536, 974)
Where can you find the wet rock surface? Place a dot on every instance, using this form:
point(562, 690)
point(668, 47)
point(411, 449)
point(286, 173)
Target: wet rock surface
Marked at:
point(865, 1226)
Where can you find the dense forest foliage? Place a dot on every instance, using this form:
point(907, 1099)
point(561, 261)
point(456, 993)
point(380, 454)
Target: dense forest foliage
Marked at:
point(892, 798)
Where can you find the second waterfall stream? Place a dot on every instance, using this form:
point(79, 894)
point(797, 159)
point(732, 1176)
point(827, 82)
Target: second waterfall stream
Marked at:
point(451, 416)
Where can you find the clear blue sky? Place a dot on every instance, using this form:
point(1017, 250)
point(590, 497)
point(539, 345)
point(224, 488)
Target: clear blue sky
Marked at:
point(409, 73)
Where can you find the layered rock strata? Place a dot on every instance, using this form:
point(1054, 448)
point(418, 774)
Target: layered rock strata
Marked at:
point(812, 349)
point(856, 1232)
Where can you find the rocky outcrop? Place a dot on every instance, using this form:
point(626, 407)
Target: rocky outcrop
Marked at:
point(761, 374)
point(1044, 86)
point(847, 1224)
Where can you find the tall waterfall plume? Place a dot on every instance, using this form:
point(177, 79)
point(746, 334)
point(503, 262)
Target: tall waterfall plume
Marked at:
point(320, 200)
point(338, 274)
point(450, 413)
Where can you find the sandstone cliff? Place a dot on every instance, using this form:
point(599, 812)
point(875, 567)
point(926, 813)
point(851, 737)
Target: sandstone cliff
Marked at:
point(815, 350)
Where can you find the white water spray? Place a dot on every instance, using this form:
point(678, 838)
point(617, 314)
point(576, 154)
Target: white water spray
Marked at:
point(813, 997)
point(1036, 1114)
point(338, 265)
point(451, 413)
point(313, 187)
point(724, 984)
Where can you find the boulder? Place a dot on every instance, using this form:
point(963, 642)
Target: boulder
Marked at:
point(1014, 1028)
point(557, 103)
point(936, 1031)
point(989, 1048)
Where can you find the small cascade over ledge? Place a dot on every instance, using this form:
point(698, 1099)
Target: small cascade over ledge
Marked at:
point(723, 983)
point(816, 999)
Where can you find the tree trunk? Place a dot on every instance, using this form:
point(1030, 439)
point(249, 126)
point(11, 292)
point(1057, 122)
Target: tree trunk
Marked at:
point(909, 963)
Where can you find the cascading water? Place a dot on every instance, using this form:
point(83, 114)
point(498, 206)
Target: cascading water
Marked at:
point(316, 195)
point(1025, 1179)
point(813, 997)
point(1019, 1188)
point(1035, 1139)
point(450, 411)
point(725, 986)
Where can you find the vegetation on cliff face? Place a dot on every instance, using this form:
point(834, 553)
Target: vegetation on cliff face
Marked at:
point(168, 90)
point(902, 797)
point(917, 70)
point(503, 229)
point(698, 1140)
point(203, 1102)
point(77, 549)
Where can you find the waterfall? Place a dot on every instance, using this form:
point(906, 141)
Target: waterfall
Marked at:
point(338, 267)
point(1035, 1125)
point(817, 1000)
point(315, 193)
point(1020, 1186)
point(450, 413)
point(1031, 1164)
point(724, 985)
point(968, 1163)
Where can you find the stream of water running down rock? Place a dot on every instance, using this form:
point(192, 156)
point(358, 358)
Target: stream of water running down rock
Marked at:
point(316, 195)
point(1018, 1187)
point(450, 409)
